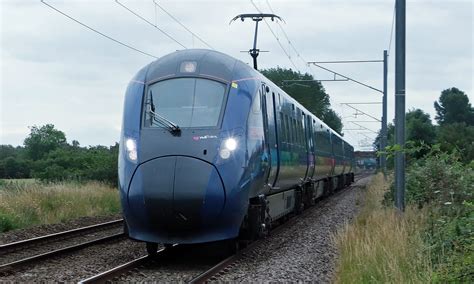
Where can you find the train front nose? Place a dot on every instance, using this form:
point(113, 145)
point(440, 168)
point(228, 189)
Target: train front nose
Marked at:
point(172, 196)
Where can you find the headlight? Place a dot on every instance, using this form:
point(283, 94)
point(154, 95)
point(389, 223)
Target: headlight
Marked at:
point(227, 147)
point(131, 149)
point(230, 144)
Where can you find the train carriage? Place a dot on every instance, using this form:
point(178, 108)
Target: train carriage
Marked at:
point(211, 150)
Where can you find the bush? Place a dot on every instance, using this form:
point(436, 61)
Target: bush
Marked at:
point(80, 164)
point(444, 186)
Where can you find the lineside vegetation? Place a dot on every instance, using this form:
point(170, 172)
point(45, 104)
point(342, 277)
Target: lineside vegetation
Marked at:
point(24, 203)
point(432, 241)
point(382, 246)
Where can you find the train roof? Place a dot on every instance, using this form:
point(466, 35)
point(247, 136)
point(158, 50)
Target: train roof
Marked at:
point(207, 62)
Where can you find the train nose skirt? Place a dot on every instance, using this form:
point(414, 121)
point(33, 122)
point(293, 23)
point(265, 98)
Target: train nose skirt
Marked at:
point(179, 193)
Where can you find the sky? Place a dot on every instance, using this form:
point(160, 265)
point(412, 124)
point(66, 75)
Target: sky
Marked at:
point(54, 70)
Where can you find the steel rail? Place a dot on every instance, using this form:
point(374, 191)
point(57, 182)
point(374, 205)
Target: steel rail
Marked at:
point(11, 265)
point(221, 266)
point(122, 269)
point(28, 242)
point(117, 271)
point(110, 274)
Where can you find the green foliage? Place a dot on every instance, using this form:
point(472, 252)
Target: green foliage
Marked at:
point(440, 179)
point(444, 185)
point(13, 167)
point(419, 132)
point(419, 127)
point(311, 94)
point(453, 107)
point(74, 163)
point(458, 137)
point(43, 140)
point(333, 120)
point(13, 163)
point(47, 157)
point(7, 151)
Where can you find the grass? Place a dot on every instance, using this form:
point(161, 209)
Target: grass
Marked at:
point(382, 246)
point(27, 203)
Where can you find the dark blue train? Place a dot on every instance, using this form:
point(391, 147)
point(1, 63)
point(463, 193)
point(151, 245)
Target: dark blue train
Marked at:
point(211, 150)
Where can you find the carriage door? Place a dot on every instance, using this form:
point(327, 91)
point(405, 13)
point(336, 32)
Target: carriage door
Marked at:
point(271, 135)
point(309, 145)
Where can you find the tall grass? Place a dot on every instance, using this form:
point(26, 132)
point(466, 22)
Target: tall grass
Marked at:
point(23, 204)
point(383, 246)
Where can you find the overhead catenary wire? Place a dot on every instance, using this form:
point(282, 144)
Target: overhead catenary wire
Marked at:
point(343, 76)
point(391, 29)
point(290, 43)
point(151, 24)
point(344, 121)
point(181, 24)
point(362, 112)
point(361, 126)
point(98, 32)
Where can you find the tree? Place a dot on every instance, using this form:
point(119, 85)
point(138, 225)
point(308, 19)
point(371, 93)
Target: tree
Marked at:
point(458, 136)
point(390, 137)
point(77, 163)
point(419, 127)
point(7, 151)
point(419, 131)
point(13, 167)
point(311, 94)
point(333, 120)
point(454, 106)
point(43, 140)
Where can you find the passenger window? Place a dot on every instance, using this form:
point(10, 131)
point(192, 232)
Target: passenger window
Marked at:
point(287, 125)
point(256, 106)
point(282, 128)
point(296, 131)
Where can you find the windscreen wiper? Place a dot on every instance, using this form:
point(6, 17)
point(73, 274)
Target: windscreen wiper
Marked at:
point(171, 126)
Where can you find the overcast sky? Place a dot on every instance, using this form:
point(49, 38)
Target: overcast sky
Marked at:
point(55, 71)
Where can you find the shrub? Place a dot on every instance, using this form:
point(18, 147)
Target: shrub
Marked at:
point(444, 186)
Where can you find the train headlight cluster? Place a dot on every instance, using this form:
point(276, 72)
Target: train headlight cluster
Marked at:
point(131, 147)
point(228, 146)
point(231, 144)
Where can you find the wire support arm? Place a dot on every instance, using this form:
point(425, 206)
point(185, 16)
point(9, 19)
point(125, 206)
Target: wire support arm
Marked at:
point(343, 76)
point(255, 17)
point(356, 109)
point(347, 61)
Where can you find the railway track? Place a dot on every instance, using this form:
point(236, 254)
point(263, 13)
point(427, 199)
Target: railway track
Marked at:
point(225, 265)
point(20, 253)
point(203, 275)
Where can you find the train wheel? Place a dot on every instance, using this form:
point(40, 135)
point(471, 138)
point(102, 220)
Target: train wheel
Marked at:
point(152, 248)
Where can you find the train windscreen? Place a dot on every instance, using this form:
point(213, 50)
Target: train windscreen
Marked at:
point(187, 102)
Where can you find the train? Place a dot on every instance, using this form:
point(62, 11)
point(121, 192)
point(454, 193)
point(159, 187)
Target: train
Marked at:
point(212, 150)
